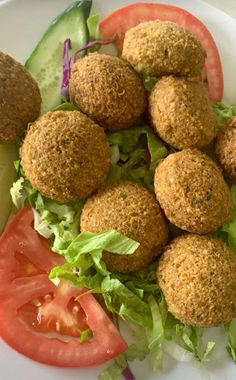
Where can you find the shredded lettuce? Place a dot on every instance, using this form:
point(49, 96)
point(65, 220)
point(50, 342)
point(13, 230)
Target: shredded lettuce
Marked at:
point(135, 154)
point(223, 113)
point(60, 222)
point(135, 298)
point(149, 82)
point(17, 193)
point(230, 329)
point(227, 232)
point(66, 107)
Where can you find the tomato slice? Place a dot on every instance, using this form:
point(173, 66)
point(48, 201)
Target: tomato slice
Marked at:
point(118, 22)
point(23, 252)
point(44, 321)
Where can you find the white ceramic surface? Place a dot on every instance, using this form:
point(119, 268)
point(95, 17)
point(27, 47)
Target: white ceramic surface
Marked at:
point(21, 24)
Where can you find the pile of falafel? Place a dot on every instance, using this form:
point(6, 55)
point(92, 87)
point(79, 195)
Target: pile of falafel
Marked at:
point(66, 156)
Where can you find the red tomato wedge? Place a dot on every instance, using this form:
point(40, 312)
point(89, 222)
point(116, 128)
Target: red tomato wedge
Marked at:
point(118, 22)
point(44, 321)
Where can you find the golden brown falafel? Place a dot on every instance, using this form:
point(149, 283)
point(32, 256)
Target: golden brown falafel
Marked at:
point(181, 112)
point(131, 210)
point(197, 276)
point(108, 90)
point(65, 155)
point(20, 99)
point(226, 149)
point(192, 192)
point(159, 48)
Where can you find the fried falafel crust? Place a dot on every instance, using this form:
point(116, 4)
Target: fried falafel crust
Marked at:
point(197, 276)
point(226, 150)
point(65, 155)
point(108, 90)
point(181, 112)
point(192, 192)
point(20, 99)
point(159, 48)
point(131, 210)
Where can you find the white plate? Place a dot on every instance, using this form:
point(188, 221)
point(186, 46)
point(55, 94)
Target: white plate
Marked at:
point(21, 24)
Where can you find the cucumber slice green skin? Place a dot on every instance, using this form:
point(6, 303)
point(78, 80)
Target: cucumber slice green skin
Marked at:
point(8, 153)
point(45, 62)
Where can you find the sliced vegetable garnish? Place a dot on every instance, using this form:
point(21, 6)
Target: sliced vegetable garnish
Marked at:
point(118, 22)
point(44, 62)
point(32, 306)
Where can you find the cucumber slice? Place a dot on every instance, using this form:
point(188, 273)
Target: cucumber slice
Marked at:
point(8, 153)
point(45, 62)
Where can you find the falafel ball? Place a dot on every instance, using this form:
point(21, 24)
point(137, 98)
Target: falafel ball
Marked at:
point(181, 112)
point(192, 192)
point(108, 90)
point(20, 99)
point(65, 155)
point(159, 48)
point(226, 150)
point(131, 210)
point(197, 276)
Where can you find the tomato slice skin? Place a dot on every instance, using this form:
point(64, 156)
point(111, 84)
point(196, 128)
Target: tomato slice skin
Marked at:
point(119, 21)
point(34, 249)
point(20, 289)
point(54, 351)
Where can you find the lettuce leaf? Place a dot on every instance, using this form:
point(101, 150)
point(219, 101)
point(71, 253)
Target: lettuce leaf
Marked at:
point(136, 152)
point(223, 113)
point(227, 232)
point(135, 298)
point(149, 82)
point(230, 329)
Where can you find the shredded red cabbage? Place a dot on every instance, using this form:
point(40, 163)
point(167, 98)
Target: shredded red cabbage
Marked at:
point(67, 61)
point(65, 68)
point(128, 375)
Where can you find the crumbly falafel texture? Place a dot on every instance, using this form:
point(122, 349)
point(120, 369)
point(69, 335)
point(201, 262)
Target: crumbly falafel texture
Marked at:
point(181, 112)
point(131, 210)
point(192, 192)
point(108, 90)
point(65, 155)
point(197, 276)
point(159, 48)
point(226, 150)
point(20, 99)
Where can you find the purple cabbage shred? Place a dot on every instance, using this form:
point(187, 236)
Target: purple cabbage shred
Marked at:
point(127, 373)
point(67, 61)
point(65, 68)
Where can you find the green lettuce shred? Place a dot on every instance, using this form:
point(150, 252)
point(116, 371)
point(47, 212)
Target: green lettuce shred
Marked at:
point(223, 113)
point(135, 298)
point(227, 232)
point(135, 153)
point(230, 329)
point(149, 82)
